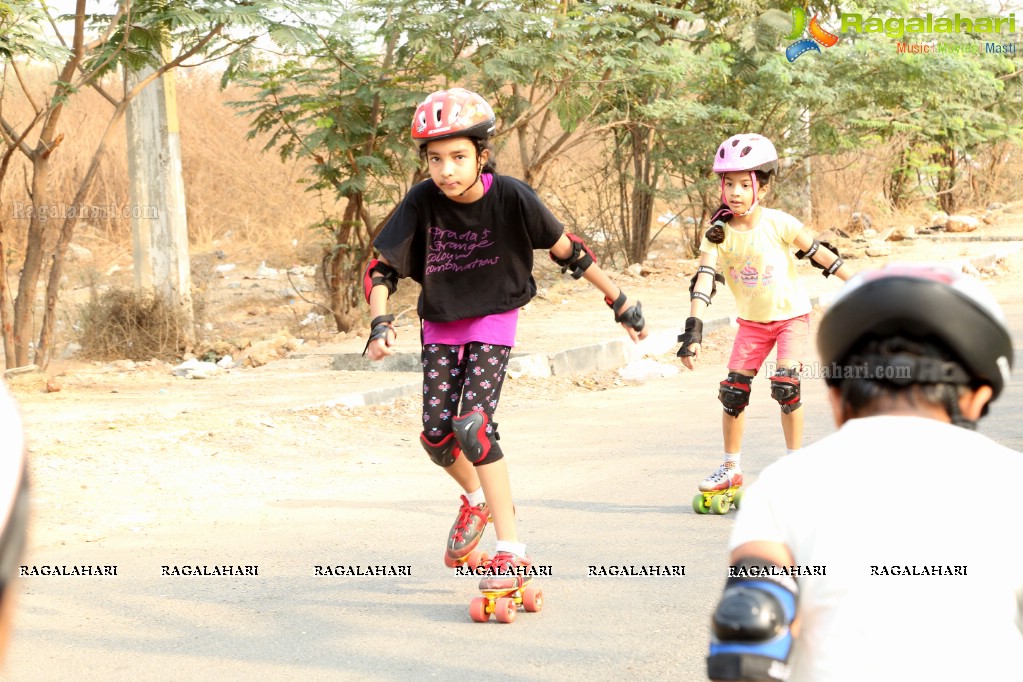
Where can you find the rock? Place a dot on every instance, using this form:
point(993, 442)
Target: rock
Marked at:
point(858, 223)
point(879, 250)
point(961, 223)
point(636, 269)
point(901, 233)
point(639, 370)
point(940, 219)
point(869, 233)
point(195, 369)
point(263, 272)
point(79, 253)
point(995, 206)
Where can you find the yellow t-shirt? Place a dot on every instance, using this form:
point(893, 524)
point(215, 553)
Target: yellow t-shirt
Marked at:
point(760, 268)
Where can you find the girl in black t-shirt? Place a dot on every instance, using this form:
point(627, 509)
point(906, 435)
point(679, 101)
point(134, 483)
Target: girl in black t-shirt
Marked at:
point(467, 236)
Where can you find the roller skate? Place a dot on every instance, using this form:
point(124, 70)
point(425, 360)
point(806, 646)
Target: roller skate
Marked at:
point(507, 586)
point(465, 535)
point(719, 492)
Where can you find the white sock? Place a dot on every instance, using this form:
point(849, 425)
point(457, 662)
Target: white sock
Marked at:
point(733, 460)
point(516, 548)
point(476, 497)
point(791, 452)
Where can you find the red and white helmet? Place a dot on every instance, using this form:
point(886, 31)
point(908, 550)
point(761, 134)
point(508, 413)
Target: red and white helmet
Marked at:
point(746, 152)
point(452, 113)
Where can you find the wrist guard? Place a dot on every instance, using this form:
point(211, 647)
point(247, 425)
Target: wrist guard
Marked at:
point(378, 330)
point(631, 317)
point(693, 334)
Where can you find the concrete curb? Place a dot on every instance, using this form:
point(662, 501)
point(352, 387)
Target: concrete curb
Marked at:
point(582, 360)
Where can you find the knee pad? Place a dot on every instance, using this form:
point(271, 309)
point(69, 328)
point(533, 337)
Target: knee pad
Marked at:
point(471, 432)
point(443, 453)
point(785, 389)
point(734, 393)
point(751, 636)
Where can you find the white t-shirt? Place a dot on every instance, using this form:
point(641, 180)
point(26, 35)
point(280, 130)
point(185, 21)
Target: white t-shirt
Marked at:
point(877, 505)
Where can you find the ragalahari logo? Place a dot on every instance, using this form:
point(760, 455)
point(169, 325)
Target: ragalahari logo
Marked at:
point(803, 45)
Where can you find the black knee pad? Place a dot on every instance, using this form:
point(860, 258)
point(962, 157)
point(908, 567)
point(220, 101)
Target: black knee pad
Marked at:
point(471, 432)
point(785, 389)
point(443, 453)
point(734, 393)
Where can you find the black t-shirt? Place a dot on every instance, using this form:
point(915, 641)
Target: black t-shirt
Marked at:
point(471, 259)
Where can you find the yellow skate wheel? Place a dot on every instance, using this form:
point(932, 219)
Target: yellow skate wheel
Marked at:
point(478, 610)
point(719, 504)
point(737, 498)
point(699, 504)
point(505, 610)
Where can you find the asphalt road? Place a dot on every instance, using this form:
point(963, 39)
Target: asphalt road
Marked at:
point(603, 480)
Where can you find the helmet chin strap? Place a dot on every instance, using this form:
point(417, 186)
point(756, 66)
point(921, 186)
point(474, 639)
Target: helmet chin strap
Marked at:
point(479, 168)
point(756, 187)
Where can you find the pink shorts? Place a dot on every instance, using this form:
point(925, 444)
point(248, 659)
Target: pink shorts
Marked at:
point(754, 341)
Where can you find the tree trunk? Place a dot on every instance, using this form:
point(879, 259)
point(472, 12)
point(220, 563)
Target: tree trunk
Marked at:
point(642, 195)
point(33, 264)
point(6, 314)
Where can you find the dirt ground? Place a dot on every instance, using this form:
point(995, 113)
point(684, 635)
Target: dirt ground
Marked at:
point(157, 440)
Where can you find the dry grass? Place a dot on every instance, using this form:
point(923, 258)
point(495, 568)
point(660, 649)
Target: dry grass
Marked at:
point(126, 324)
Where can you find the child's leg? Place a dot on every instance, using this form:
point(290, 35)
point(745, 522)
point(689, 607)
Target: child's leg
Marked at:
point(733, 429)
point(792, 343)
point(485, 372)
point(443, 376)
point(497, 488)
point(792, 422)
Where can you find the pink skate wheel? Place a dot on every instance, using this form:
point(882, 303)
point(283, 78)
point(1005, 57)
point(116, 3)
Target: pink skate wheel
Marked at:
point(478, 610)
point(505, 610)
point(532, 599)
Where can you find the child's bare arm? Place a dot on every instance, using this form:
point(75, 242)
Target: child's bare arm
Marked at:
point(572, 254)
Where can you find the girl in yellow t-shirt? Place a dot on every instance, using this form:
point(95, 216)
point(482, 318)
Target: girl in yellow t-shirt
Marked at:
point(749, 247)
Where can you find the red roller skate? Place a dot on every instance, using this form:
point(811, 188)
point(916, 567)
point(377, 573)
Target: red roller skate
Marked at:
point(507, 586)
point(465, 535)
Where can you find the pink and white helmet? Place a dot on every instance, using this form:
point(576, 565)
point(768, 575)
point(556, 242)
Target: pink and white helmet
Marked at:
point(746, 152)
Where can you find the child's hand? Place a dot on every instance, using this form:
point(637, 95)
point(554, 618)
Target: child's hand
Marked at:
point(378, 349)
point(692, 357)
point(631, 317)
point(381, 338)
point(691, 341)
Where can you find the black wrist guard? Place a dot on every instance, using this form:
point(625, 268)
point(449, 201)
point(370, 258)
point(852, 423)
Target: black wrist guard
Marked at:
point(693, 334)
point(378, 329)
point(631, 317)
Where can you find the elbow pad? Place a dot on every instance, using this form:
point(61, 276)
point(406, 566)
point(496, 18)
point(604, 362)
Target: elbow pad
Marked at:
point(751, 629)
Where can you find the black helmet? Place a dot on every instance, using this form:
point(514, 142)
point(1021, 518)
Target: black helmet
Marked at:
point(923, 301)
